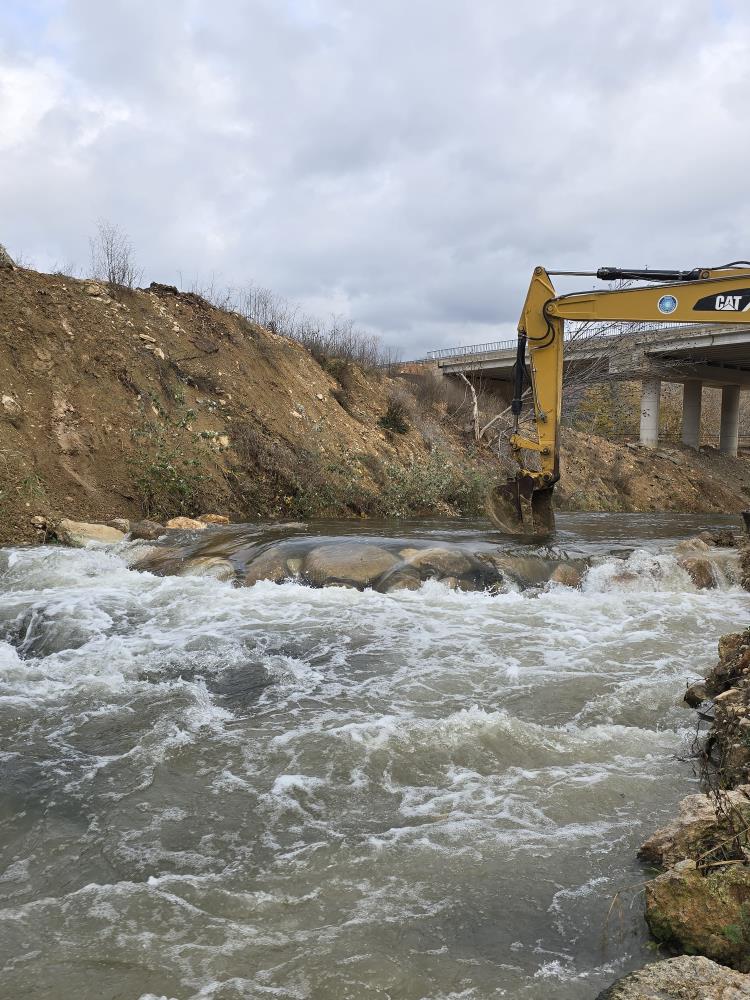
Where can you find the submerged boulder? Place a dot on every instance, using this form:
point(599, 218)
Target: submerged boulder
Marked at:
point(212, 566)
point(347, 564)
point(269, 565)
point(567, 574)
point(81, 533)
point(703, 914)
point(535, 571)
point(401, 578)
point(162, 560)
point(438, 562)
point(688, 977)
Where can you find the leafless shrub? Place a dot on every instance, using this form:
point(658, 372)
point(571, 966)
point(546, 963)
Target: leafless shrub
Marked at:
point(22, 259)
point(438, 391)
point(112, 258)
point(399, 412)
point(338, 338)
point(66, 269)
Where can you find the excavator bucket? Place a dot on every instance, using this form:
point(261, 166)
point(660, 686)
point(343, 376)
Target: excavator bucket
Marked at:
point(520, 507)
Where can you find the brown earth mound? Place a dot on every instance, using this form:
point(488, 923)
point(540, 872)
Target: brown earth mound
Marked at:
point(152, 403)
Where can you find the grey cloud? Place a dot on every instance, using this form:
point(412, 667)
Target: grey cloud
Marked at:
point(412, 162)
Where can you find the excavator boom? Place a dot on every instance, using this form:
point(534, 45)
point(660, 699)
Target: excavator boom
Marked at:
point(523, 505)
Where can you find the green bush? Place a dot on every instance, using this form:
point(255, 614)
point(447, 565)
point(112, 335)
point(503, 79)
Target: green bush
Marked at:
point(433, 484)
point(167, 479)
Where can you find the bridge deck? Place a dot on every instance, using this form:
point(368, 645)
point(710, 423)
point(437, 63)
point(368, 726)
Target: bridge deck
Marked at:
point(717, 355)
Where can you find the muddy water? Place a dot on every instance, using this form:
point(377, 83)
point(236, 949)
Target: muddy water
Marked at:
point(218, 792)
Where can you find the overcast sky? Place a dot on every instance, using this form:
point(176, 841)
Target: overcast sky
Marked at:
point(403, 162)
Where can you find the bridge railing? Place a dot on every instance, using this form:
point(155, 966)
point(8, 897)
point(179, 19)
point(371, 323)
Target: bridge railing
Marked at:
point(579, 336)
point(461, 352)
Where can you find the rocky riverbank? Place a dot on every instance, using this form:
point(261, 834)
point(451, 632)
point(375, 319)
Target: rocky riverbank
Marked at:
point(699, 901)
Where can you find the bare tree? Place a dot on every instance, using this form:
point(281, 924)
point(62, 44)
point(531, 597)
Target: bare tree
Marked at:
point(112, 258)
point(474, 407)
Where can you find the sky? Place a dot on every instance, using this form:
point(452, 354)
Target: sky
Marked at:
point(403, 163)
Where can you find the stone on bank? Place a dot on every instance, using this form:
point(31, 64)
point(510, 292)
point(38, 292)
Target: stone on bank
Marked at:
point(703, 914)
point(689, 977)
point(81, 533)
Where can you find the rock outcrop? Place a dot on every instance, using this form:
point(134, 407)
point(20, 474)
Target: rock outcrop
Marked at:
point(689, 977)
point(729, 685)
point(705, 914)
point(691, 836)
point(701, 903)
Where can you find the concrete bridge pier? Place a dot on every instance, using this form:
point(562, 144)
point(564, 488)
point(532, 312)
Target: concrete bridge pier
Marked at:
point(730, 420)
point(692, 399)
point(650, 393)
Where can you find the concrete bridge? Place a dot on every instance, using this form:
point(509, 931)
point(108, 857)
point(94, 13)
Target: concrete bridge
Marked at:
point(693, 355)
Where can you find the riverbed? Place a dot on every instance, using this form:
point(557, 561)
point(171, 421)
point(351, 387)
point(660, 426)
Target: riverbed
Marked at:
point(219, 792)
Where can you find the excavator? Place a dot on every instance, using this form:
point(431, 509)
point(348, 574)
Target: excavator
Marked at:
point(721, 295)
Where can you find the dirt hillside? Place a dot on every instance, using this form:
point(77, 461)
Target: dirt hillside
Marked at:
point(152, 402)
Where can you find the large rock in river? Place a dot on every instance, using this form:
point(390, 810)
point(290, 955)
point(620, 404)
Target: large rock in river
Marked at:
point(438, 562)
point(81, 533)
point(269, 565)
point(689, 977)
point(700, 571)
point(347, 564)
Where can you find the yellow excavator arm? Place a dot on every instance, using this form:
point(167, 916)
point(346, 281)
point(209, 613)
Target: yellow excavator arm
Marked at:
point(704, 295)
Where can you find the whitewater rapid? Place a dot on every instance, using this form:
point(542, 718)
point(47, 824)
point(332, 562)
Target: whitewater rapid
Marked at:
point(220, 792)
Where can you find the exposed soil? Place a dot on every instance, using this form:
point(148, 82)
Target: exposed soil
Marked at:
point(597, 474)
point(152, 402)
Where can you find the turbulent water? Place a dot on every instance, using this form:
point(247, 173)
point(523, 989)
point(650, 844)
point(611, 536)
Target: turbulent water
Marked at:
point(218, 792)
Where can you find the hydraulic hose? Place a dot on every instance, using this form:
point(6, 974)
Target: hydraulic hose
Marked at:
point(519, 370)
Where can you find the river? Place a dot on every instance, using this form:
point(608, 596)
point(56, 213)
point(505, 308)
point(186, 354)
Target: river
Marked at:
point(278, 791)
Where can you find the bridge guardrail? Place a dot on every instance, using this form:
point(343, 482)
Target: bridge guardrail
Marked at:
point(575, 339)
point(460, 352)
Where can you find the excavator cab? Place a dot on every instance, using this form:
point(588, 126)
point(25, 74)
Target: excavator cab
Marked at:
point(524, 504)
